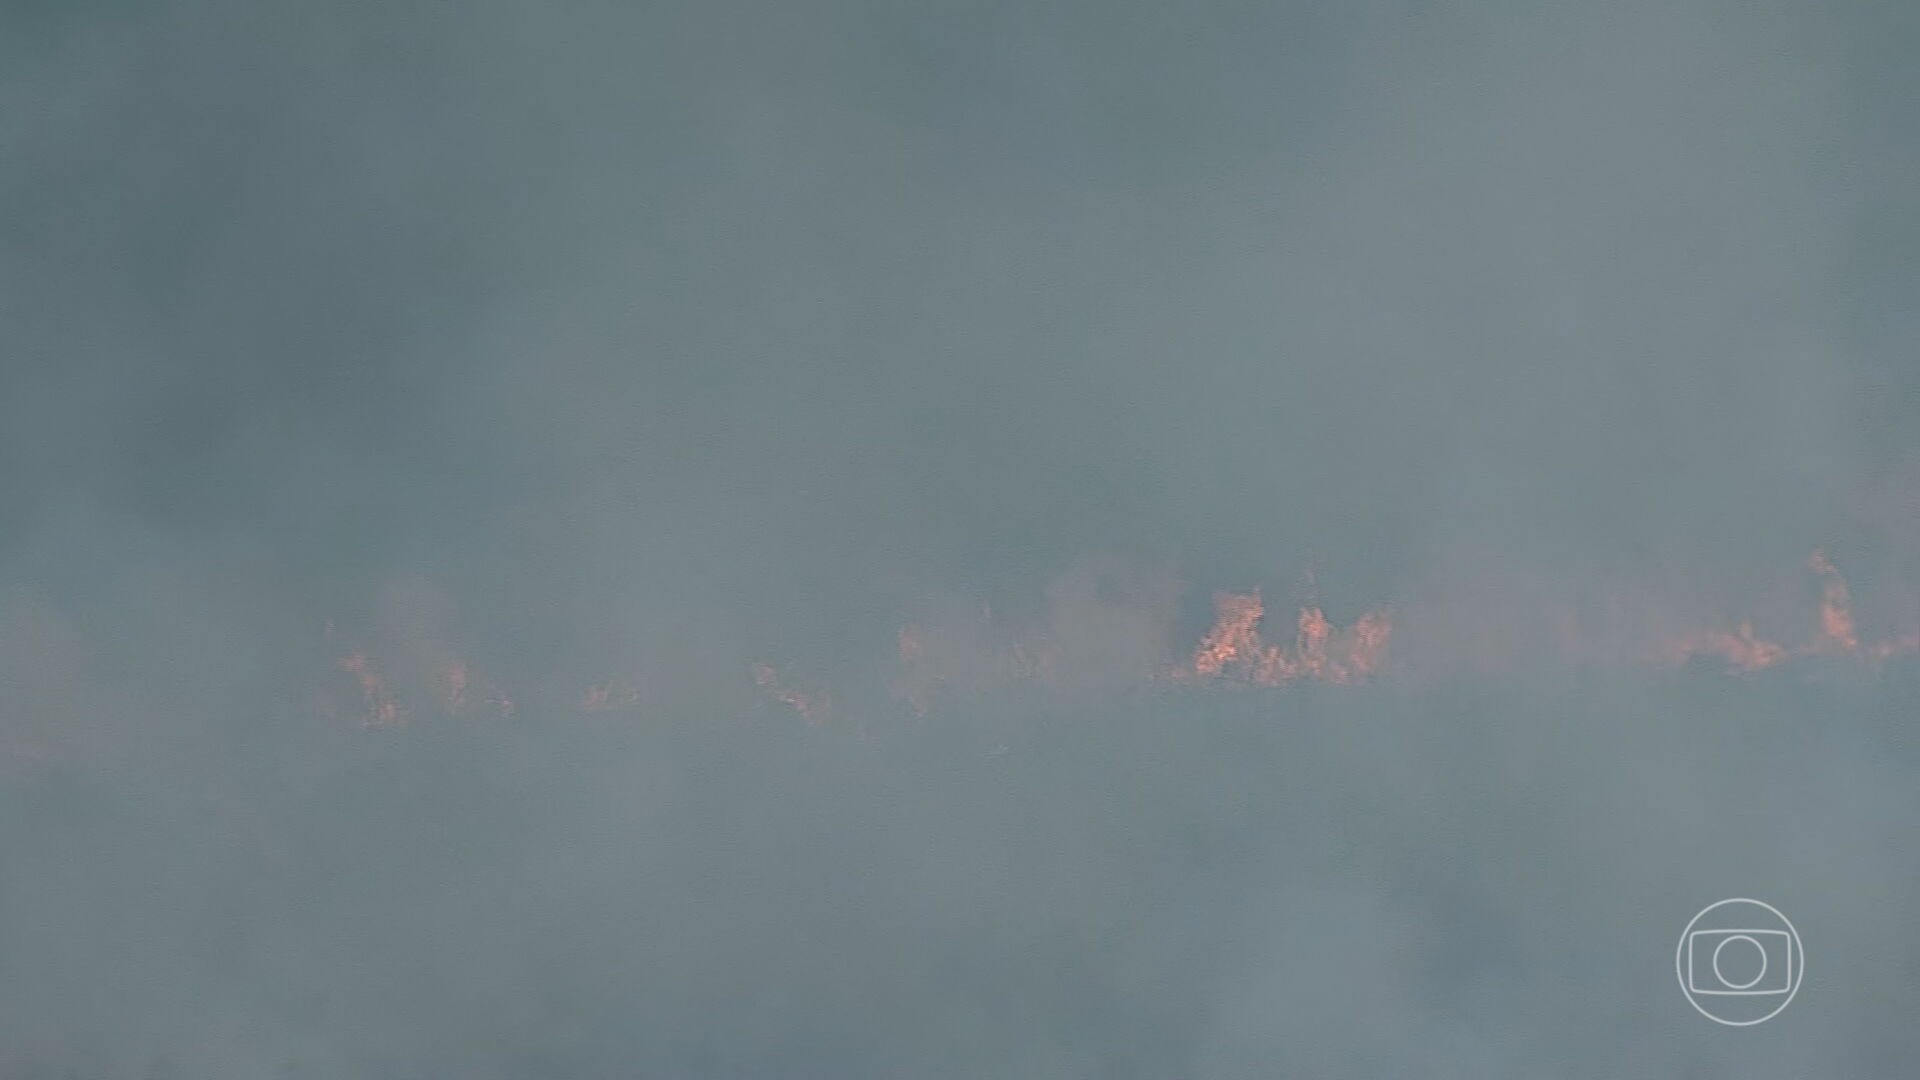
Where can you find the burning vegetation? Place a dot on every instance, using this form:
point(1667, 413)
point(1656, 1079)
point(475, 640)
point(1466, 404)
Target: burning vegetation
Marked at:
point(1090, 642)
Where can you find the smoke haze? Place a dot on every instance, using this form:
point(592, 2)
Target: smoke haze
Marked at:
point(605, 540)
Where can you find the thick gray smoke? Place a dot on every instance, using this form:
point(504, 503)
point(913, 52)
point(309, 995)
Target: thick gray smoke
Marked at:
point(567, 361)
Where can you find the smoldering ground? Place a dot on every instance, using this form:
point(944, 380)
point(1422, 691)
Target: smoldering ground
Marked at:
point(664, 340)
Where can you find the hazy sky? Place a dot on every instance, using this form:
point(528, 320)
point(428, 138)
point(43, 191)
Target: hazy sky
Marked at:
point(707, 332)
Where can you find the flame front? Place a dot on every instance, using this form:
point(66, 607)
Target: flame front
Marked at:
point(1837, 637)
point(970, 652)
point(1836, 607)
point(1233, 648)
point(1740, 650)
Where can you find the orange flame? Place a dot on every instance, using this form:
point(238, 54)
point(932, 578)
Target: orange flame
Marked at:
point(1838, 636)
point(1836, 607)
point(969, 653)
point(1740, 649)
point(1233, 648)
point(381, 709)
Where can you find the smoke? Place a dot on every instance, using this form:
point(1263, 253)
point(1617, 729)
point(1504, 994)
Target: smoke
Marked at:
point(417, 424)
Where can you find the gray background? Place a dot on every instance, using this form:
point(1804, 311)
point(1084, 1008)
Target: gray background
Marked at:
point(679, 336)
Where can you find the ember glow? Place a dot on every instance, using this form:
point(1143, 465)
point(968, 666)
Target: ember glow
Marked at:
point(1836, 608)
point(1233, 649)
point(931, 664)
point(379, 707)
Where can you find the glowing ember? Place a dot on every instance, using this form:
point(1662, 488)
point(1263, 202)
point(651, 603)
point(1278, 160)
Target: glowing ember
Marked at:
point(1235, 637)
point(1233, 648)
point(1838, 636)
point(966, 652)
point(1905, 644)
point(1836, 607)
point(381, 709)
point(1740, 649)
point(811, 709)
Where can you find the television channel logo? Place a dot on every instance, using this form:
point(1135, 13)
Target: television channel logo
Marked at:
point(1739, 962)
